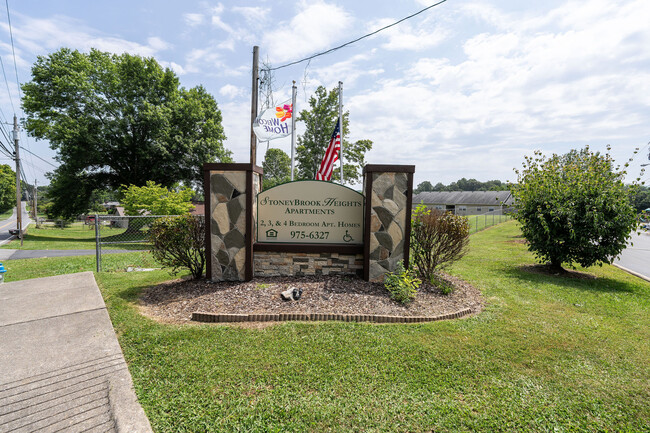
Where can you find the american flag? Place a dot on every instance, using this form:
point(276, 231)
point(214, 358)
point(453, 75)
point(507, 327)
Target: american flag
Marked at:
point(331, 156)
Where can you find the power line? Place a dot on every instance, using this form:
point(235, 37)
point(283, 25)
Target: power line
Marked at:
point(7, 83)
point(355, 40)
point(32, 153)
point(13, 50)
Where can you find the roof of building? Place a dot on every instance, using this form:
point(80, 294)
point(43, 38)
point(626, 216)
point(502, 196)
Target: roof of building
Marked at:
point(464, 197)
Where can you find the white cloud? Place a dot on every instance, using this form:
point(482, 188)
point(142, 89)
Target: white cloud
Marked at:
point(406, 36)
point(193, 19)
point(231, 92)
point(38, 35)
point(525, 82)
point(218, 21)
point(317, 26)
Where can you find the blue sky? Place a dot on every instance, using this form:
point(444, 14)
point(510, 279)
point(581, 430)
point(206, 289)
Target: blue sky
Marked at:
point(466, 89)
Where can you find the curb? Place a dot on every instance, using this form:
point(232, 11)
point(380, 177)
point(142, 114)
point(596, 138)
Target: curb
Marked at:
point(313, 317)
point(630, 271)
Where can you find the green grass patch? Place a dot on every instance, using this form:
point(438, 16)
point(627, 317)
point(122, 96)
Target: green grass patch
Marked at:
point(480, 222)
point(547, 354)
point(6, 214)
point(78, 236)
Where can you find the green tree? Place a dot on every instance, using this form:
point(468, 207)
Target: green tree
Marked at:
point(7, 188)
point(277, 168)
point(118, 119)
point(423, 187)
point(573, 208)
point(320, 121)
point(156, 200)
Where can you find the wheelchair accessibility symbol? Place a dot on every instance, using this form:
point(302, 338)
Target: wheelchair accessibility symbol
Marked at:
point(347, 237)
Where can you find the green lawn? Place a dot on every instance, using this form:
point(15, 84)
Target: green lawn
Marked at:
point(547, 354)
point(76, 236)
point(6, 214)
point(480, 222)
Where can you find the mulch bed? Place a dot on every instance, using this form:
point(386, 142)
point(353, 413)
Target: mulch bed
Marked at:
point(175, 301)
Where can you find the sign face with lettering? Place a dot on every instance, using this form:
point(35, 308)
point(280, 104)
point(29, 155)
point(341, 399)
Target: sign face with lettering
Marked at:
point(310, 212)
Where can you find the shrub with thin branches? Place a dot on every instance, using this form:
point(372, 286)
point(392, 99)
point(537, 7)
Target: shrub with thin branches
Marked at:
point(437, 240)
point(179, 242)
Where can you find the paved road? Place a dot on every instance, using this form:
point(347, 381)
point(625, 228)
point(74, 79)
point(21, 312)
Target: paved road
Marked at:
point(10, 224)
point(62, 367)
point(637, 257)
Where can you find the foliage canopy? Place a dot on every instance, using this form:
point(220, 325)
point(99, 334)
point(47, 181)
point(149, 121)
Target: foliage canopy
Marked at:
point(7, 188)
point(574, 207)
point(156, 200)
point(118, 119)
point(277, 168)
point(320, 121)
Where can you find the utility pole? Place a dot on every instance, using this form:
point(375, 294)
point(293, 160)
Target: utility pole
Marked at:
point(255, 87)
point(19, 210)
point(35, 202)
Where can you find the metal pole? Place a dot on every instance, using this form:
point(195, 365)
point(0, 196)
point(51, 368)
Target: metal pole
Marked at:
point(341, 126)
point(19, 209)
point(98, 255)
point(294, 93)
point(35, 201)
point(255, 88)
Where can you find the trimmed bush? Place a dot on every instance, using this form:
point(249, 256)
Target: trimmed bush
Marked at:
point(437, 240)
point(402, 284)
point(179, 242)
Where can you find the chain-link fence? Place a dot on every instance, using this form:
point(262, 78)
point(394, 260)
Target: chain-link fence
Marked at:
point(488, 219)
point(123, 234)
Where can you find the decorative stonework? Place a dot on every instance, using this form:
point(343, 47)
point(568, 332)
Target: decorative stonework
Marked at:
point(276, 264)
point(232, 255)
point(228, 225)
point(389, 218)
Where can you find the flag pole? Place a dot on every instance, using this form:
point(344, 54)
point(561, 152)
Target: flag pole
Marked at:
point(254, 86)
point(341, 126)
point(294, 91)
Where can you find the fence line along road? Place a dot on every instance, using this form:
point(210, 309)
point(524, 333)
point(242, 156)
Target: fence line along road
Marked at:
point(123, 232)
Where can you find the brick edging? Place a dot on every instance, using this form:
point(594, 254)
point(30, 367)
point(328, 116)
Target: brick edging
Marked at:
point(283, 317)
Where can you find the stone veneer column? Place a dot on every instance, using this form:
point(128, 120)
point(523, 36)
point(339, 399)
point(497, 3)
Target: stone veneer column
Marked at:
point(230, 191)
point(389, 195)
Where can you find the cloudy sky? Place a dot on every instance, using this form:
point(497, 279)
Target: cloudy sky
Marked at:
point(466, 89)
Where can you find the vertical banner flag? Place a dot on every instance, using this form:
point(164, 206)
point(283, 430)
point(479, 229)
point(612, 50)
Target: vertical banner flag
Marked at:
point(274, 122)
point(331, 155)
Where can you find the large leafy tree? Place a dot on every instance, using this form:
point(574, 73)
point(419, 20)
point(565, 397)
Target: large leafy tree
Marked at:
point(277, 168)
point(573, 208)
point(320, 120)
point(7, 188)
point(118, 119)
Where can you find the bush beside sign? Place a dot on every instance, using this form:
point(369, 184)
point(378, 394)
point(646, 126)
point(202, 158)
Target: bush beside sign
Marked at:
point(310, 212)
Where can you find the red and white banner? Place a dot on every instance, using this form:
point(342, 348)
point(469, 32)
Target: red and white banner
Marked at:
point(331, 155)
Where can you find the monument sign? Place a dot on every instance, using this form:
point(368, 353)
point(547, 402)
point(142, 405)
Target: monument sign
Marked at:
point(310, 212)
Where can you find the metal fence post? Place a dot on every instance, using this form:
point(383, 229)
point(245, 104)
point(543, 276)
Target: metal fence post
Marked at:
point(98, 254)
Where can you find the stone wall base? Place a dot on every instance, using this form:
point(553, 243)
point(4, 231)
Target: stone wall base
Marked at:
point(276, 264)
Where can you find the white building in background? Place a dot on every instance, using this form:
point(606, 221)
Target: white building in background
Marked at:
point(466, 202)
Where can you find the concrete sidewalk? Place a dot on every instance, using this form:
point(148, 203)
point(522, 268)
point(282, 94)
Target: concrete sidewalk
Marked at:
point(62, 367)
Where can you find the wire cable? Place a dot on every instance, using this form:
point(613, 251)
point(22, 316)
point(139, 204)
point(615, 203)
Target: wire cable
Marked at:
point(7, 83)
point(13, 50)
point(355, 40)
point(32, 153)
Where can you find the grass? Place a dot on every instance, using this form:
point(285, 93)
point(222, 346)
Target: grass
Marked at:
point(481, 222)
point(547, 354)
point(6, 214)
point(76, 236)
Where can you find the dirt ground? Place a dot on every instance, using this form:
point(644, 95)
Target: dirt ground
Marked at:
point(175, 301)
